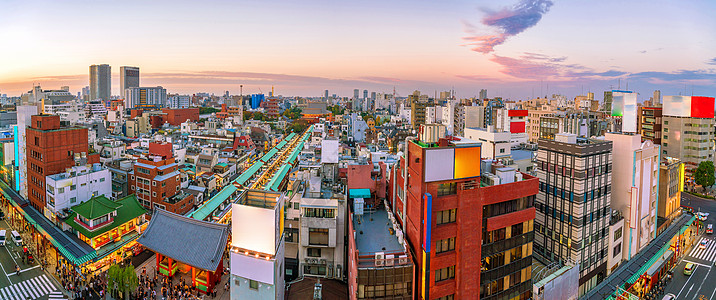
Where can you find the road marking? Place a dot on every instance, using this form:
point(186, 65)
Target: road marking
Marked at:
point(32, 288)
point(687, 281)
point(702, 281)
point(6, 275)
point(703, 265)
point(8, 252)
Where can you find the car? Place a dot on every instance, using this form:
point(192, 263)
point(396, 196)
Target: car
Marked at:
point(669, 296)
point(689, 269)
point(16, 238)
point(2, 237)
point(703, 244)
point(710, 228)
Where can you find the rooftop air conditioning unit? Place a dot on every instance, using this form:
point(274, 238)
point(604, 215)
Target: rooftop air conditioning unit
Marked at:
point(307, 260)
point(314, 260)
point(323, 261)
point(389, 260)
point(403, 259)
point(379, 259)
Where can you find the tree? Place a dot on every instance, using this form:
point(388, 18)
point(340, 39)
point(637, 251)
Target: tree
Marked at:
point(208, 110)
point(121, 281)
point(704, 174)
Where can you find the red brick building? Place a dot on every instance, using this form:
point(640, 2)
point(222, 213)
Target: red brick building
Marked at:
point(177, 116)
point(156, 181)
point(471, 233)
point(51, 149)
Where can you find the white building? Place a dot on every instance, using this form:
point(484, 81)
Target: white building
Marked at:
point(146, 96)
point(180, 101)
point(257, 247)
point(433, 115)
point(495, 145)
point(635, 179)
point(24, 114)
point(76, 185)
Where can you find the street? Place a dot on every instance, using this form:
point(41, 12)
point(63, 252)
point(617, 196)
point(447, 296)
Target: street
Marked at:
point(700, 285)
point(31, 283)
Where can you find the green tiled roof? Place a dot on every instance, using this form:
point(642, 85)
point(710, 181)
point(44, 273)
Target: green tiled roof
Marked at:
point(128, 208)
point(95, 207)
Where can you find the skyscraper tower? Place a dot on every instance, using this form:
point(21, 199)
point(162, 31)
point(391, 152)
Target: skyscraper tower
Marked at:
point(365, 94)
point(128, 77)
point(326, 97)
point(356, 93)
point(100, 82)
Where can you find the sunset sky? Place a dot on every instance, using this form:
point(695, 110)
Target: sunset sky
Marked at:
point(515, 49)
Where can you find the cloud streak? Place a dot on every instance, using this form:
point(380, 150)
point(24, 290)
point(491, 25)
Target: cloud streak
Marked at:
point(505, 23)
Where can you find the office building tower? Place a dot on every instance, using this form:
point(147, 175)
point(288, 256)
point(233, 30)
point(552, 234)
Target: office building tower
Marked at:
point(573, 213)
point(687, 129)
point(100, 82)
point(356, 93)
point(373, 96)
point(483, 94)
point(326, 95)
point(179, 101)
point(634, 188)
point(146, 97)
point(51, 149)
point(128, 78)
point(365, 94)
point(470, 226)
point(656, 100)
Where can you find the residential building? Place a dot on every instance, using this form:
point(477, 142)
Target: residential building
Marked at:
point(495, 145)
point(100, 82)
point(572, 222)
point(128, 78)
point(533, 123)
point(120, 171)
point(145, 97)
point(649, 123)
point(616, 241)
point(179, 101)
point(76, 185)
point(635, 179)
point(671, 184)
point(24, 120)
point(51, 149)
point(40, 98)
point(156, 182)
point(688, 129)
point(418, 103)
point(466, 229)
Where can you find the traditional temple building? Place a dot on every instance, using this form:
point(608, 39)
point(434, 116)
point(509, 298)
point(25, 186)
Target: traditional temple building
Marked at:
point(187, 247)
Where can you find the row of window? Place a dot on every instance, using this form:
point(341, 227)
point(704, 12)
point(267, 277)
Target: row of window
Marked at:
point(579, 174)
point(507, 207)
point(572, 220)
point(445, 273)
point(319, 212)
point(573, 197)
point(565, 240)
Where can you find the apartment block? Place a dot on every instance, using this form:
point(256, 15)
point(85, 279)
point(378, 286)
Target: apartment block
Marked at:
point(156, 181)
point(76, 185)
point(573, 214)
point(649, 123)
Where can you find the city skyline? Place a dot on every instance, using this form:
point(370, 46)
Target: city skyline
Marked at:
point(516, 50)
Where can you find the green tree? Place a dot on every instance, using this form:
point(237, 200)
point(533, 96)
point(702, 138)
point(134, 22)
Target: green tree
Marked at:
point(259, 116)
point(122, 281)
point(208, 110)
point(704, 174)
point(297, 126)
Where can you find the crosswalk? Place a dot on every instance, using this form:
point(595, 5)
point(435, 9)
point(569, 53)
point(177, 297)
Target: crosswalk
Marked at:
point(56, 295)
point(32, 288)
point(708, 254)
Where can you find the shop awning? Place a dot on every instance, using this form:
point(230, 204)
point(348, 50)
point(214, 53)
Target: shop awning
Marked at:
point(359, 193)
point(659, 264)
point(72, 248)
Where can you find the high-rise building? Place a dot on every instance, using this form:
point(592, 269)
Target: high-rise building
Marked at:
point(50, 150)
point(325, 97)
point(656, 100)
point(128, 78)
point(687, 129)
point(373, 96)
point(365, 94)
point(418, 103)
point(634, 188)
point(573, 213)
point(607, 101)
point(483, 94)
point(100, 82)
point(356, 93)
point(459, 219)
point(145, 97)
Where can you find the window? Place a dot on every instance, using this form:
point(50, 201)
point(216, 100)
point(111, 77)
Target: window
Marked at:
point(618, 234)
point(154, 183)
point(666, 144)
point(446, 216)
point(314, 252)
point(445, 273)
point(319, 213)
point(83, 184)
point(253, 284)
point(448, 297)
point(73, 187)
point(445, 245)
point(295, 205)
point(154, 194)
point(73, 199)
point(447, 189)
point(617, 249)
point(318, 236)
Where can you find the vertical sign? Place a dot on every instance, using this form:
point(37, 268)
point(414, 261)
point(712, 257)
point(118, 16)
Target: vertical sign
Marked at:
point(427, 222)
point(633, 210)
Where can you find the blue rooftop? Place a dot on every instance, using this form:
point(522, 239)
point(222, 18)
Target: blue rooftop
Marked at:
point(521, 154)
point(359, 193)
point(376, 236)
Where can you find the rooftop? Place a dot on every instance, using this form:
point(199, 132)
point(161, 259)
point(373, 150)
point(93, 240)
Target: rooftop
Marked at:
point(128, 208)
point(373, 233)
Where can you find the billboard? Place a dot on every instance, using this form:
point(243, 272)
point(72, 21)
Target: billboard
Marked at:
point(467, 162)
point(677, 106)
point(517, 127)
point(624, 105)
point(253, 228)
point(439, 164)
point(702, 107)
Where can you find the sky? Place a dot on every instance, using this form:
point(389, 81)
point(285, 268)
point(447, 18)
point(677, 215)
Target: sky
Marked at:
point(517, 49)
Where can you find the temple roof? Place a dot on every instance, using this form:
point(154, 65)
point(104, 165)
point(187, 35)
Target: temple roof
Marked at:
point(196, 243)
point(95, 207)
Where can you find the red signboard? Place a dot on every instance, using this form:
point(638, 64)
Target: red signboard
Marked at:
point(517, 127)
point(702, 107)
point(517, 113)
